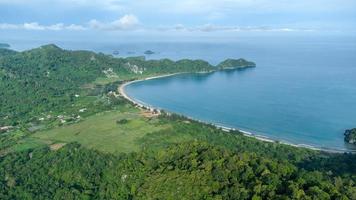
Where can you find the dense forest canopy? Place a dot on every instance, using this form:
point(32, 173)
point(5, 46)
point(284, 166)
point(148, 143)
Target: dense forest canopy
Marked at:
point(193, 170)
point(67, 134)
point(6, 52)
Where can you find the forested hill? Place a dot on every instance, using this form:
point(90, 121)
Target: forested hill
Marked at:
point(47, 78)
point(235, 63)
point(192, 170)
point(6, 52)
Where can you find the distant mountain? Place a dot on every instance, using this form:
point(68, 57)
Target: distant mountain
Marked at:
point(149, 52)
point(4, 45)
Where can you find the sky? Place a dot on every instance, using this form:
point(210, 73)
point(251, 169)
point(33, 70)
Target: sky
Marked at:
point(173, 18)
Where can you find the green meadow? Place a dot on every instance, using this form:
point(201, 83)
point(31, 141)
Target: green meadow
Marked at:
point(103, 132)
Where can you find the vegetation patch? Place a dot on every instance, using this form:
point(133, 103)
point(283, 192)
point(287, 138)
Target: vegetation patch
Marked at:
point(103, 133)
point(55, 147)
point(193, 170)
point(350, 136)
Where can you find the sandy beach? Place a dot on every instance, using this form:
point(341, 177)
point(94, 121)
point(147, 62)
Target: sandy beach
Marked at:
point(123, 93)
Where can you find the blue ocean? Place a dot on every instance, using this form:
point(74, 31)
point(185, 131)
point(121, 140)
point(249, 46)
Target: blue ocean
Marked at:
point(303, 90)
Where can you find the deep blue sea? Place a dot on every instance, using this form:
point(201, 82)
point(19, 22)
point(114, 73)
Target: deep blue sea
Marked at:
point(303, 90)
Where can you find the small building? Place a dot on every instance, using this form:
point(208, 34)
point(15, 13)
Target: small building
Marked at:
point(5, 128)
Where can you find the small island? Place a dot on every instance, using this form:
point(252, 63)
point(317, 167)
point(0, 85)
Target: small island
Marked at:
point(149, 52)
point(235, 64)
point(4, 45)
point(350, 136)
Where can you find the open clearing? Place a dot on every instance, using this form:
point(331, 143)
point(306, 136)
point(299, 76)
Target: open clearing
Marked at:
point(102, 132)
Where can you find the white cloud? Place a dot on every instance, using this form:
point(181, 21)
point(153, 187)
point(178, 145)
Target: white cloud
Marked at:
point(127, 22)
point(56, 27)
point(95, 24)
point(216, 28)
point(211, 28)
point(217, 15)
point(35, 26)
point(6, 26)
point(74, 27)
point(130, 22)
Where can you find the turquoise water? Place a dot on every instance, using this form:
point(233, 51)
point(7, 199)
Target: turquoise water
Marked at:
point(303, 90)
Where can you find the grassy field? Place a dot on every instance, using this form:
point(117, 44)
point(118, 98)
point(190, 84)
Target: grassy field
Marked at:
point(104, 80)
point(107, 80)
point(102, 132)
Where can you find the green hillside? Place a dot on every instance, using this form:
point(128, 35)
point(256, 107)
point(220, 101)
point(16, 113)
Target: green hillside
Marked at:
point(47, 78)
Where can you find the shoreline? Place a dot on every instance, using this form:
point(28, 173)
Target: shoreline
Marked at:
point(121, 88)
point(146, 106)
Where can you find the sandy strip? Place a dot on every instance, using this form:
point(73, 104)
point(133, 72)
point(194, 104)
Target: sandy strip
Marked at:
point(140, 104)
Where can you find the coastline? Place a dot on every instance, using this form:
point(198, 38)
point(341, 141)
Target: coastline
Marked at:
point(121, 88)
point(143, 105)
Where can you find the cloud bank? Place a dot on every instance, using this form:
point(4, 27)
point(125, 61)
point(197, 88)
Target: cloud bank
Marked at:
point(130, 22)
point(127, 22)
point(192, 15)
point(35, 26)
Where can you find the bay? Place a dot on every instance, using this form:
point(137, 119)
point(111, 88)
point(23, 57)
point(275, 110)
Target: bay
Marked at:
point(303, 91)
